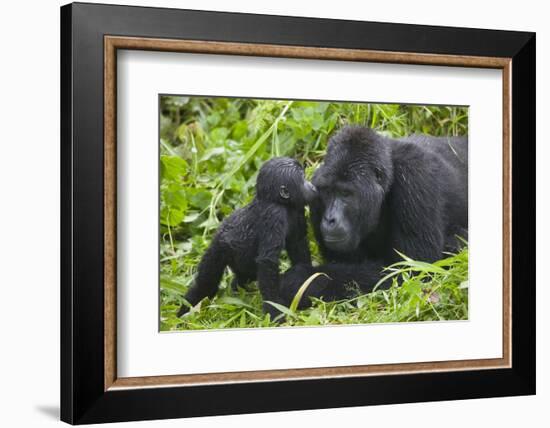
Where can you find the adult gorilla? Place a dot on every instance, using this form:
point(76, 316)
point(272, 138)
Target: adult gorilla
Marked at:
point(378, 195)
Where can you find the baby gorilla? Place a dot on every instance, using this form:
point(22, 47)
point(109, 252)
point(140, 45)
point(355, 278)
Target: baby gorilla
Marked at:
point(250, 240)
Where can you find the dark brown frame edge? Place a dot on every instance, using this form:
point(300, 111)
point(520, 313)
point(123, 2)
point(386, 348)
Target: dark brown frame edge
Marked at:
point(83, 395)
point(113, 43)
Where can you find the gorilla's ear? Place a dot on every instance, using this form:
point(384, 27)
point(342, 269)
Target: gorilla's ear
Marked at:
point(283, 192)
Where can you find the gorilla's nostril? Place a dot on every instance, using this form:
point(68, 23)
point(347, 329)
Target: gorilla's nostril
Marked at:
point(329, 222)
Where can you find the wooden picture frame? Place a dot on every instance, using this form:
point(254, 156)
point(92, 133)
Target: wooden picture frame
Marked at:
point(90, 389)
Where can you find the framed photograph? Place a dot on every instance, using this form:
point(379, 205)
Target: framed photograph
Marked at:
point(274, 213)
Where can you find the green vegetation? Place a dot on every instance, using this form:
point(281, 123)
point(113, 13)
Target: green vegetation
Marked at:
point(211, 151)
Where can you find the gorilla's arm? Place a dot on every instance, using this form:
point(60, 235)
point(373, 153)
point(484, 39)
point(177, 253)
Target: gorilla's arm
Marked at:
point(416, 205)
point(343, 280)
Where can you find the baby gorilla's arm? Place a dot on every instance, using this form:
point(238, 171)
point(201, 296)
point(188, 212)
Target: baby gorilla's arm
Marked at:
point(271, 243)
point(297, 245)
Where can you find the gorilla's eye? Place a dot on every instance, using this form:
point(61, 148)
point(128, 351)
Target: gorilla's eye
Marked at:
point(378, 175)
point(283, 192)
point(345, 193)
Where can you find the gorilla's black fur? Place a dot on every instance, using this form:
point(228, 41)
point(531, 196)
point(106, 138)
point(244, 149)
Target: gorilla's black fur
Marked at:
point(250, 240)
point(378, 195)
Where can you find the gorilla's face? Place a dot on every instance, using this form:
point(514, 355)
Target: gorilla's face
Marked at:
point(282, 180)
point(352, 184)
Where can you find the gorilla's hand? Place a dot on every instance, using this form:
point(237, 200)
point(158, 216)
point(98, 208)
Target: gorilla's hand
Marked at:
point(292, 280)
point(342, 280)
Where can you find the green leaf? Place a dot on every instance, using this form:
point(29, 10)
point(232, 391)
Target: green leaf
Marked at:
point(173, 167)
point(174, 197)
point(172, 284)
point(219, 135)
point(171, 217)
point(259, 142)
point(234, 301)
point(199, 198)
point(230, 320)
point(296, 300)
point(209, 153)
point(239, 130)
point(209, 223)
point(314, 318)
point(281, 308)
point(191, 217)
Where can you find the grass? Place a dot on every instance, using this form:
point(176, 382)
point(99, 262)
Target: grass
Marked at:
point(428, 292)
point(211, 151)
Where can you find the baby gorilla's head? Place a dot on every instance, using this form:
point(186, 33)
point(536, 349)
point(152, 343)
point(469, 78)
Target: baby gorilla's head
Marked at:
point(282, 181)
